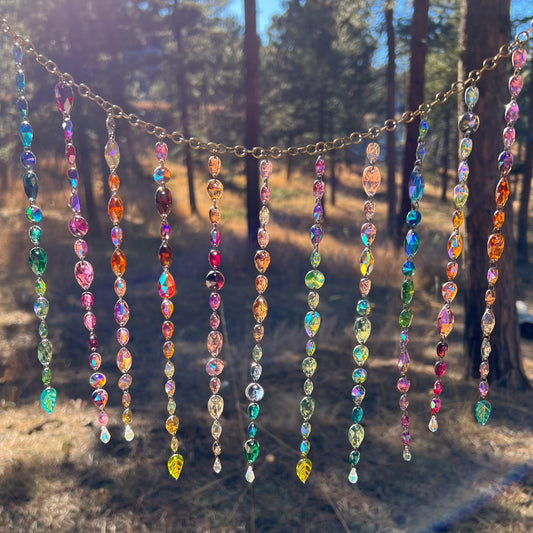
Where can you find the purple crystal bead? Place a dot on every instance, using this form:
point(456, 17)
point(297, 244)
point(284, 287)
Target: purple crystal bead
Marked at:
point(87, 300)
point(519, 58)
point(64, 97)
point(116, 236)
point(214, 301)
point(508, 136)
point(515, 85)
point(161, 151)
point(512, 112)
point(318, 189)
point(72, 176)
point(121, 312)
point(27, 159)
point(505, 162)
point(74, 202)
point(320, 166)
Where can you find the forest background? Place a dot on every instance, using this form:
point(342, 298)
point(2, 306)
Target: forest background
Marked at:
point(180, 65)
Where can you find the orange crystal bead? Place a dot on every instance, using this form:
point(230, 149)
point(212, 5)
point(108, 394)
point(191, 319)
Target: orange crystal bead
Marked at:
point(495, 246)
point(502, 192)
point(118, 263)
point(115, 208)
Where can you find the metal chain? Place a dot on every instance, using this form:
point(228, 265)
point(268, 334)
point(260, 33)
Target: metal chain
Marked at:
point(259, 152)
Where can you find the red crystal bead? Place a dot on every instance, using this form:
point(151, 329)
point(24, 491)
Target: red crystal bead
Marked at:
point(437, 387)
point(442, 349)
point(440, 368)
point(214, 280)
point(165, 255)
point(435, 405)
point(214, 258)
point(167, 329)
point(163, 200)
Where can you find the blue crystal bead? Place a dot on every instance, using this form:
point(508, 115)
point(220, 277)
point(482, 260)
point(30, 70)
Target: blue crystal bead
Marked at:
point(408, 268)
point(315, 234)
point(27, 159)
point(17, 54)
point(463, 171)
point(252, 430)
point(20, 81)
point(416, 185)
point(31, 185)
point(420, 152)
point(26, 133)
point(22, 106)
point(411, 243)
point(72, 175)
point(67, 129)
point(413, 218)
point(74, 202)
point(318, 212)
point(423, 129)
point(34, 214)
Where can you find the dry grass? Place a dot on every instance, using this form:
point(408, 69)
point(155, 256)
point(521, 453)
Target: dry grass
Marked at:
point(55, 474)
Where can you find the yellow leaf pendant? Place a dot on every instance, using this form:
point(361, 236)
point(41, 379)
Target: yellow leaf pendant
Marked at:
point(303, 469)
point(175, 464)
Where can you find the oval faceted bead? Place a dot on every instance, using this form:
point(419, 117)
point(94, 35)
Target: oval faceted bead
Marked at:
point(215, 406)
point(262, 260)
point(372, 152)
point(502, 192)
point(215, 189)
point(460, 195)
point(495, 246)
point(416, 185)
point(307, 407)
point(260, 309)
point(124, 360)
point(254, 392)
point(112, 154)
point(214, 342)
point(455, 245)
point(368, 233)
point(118, 262)
point(261, 284)
point(214, 165)
point(411, 243)
point(163, 200)
point(366, 262)
point(165, 255)
point(407, 291)
point(445, 321)
point(498, 219)
point(312, 323)
point(115, 209)
point(488, 322)
point(166, 285)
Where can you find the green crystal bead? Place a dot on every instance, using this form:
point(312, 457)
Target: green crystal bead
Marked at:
point(315, 258)
point(310, 347)
point(43, 330)
point(366, 262)
point(362, 329)
point(312, 323)
point(40, 286)
point(314, 279)
point(46, 376)
point(482, 411)
point(354, 457)
point(357, 414)
point(35, 233)
point(308, 387)
point(307, 407)
point(41, 307)
point(37, 261)
point(360, 354)
point(309, 366)
point(363, 307)
point(257, 353)
point(406, 318)
point(253, 411)
point(408, 290)
point(44, 351)
point(313, 299)
point(356, 434)
point(251, 450)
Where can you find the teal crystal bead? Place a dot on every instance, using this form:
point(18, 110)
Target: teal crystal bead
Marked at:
point(413, 218)
point(252, 430)
point(26, 133)
point(423, 129)
point(253, 411)
point(411, 243)
point(305, 447)
point(48, 399)
point(408, 268)
point(20, 81)
point(22, 107)
point(416, 185)
point(34, 214)
point(357, 414)
point(31, 185)
point(363, 307)
point(35, 234)
point(17, 54)
point(251, 450)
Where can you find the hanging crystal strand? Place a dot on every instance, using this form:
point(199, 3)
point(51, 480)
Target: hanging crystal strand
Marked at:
point(496, 242)
point(115, 209)
point(83, 270)
point(411, 244)
point(468, 123)
point(314, 280)
point(362, 326)
point(254, 391)
point(214, 282)
point(37, 259)
point(167, 289)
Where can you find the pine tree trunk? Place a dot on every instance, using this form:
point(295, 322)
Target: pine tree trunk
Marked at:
point(419, 35)
point(491, 20)
point(390, 137)
point(251, 67)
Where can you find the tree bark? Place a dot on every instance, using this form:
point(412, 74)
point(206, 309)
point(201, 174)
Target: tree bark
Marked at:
point(491, 20)
point(391, 135)
point(419, 34)
point(522, 250)
point(251, 67)
point(184, 102)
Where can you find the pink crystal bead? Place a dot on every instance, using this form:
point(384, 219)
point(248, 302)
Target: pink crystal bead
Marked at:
point(515, 85)
point(167, 308)
point(121, 312)
point(406, 437)
point(103, 418)
point(404, 421)
point(64, 96)
point(89, 320)
point(214, 258)
point(435, 405)
point(123, 336)
point(80, 248)
point(320, 166)
point(214, 301)
point(519, 58)
point(161, 151)
point(403, 384)
point(167, 329)
point(99, 398)
point(266, 169)
point(84, 274)
point(265, 194)
point(404, 402)
point(214, 321)
point(93, 341)
point(214, 385)
point(87, 300)
point(403, 361)
point(70, 154)
point(508, 136)
point(124, 360)
point(214, 367)
point(214, 237)
point(440, 368)
point(512, 112)
point(318, 189)
point(95, 360)
point(120, 287)
point(214, 342)
point(78, 226)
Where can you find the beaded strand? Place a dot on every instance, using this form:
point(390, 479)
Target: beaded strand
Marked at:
point(83, 270)
point(37, 259)
point(254, 391)
point(496, 241)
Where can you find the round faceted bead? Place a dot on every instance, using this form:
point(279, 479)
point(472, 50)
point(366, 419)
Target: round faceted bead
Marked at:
point(359, 375)
point(468, 122)
point(163, 200)
point(165, 255)
point(34, 214)
point(161, 175)
point(371, 180)
point(214, 367)
point(215, 189)
point(314, 279)
point(78, 226)
point(41, 307)
point(27, 158)
point(254, 392)
point(99, 398)
point(97, 380)
point(170, 387)
point(413, 218)
point(403, 384)
point(363, 307)
point(358, 394)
